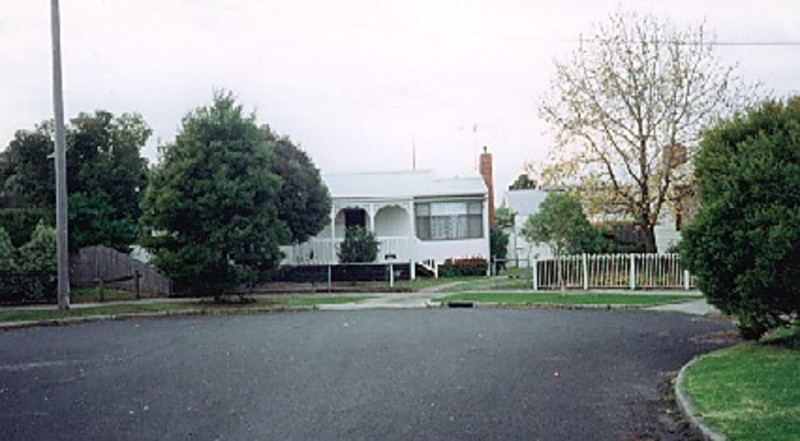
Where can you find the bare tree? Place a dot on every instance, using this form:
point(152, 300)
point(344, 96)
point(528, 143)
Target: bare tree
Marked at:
point(627, 109)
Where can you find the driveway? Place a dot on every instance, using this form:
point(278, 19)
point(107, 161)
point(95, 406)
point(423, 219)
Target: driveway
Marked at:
point(374, 374)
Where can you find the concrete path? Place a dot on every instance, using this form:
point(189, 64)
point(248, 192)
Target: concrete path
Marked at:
point(694, 307)
point(415, 300)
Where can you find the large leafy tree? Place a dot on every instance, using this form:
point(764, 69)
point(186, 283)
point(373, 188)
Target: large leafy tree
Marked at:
point(304, 203)
point(106, 178)
point(744, 242)
point(626, 110)
point(106, 175)
point(210, 210)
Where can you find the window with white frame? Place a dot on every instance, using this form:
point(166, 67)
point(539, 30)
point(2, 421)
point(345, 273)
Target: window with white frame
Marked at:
point(449, 220)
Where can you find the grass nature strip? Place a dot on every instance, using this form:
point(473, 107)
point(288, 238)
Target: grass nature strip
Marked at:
point(749, 391)
point(19, 315)
point(36, 314)
point(567, 299)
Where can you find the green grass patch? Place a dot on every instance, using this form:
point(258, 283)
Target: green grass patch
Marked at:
point(749, 391)
point(498, 283)
point(788, 336)
point(52, 314)
point(321, 300)
point(90, 295)
point(567, 299)
point(15, 315)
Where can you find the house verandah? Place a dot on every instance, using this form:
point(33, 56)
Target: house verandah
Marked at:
point(416, 217)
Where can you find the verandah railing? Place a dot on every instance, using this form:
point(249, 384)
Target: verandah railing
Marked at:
point(593, 271)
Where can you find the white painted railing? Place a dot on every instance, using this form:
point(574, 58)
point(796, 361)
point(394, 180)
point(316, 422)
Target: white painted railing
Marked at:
point(632, 271)
point(324, 251)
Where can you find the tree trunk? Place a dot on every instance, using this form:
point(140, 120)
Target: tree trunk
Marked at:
point(650, 239)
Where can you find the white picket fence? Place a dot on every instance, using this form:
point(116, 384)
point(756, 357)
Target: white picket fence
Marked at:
point(592, 271)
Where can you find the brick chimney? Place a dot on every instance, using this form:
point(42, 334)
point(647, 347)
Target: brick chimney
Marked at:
point(485, 169)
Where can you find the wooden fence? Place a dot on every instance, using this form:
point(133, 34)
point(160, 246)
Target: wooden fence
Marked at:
point(632, 271)
point(117, 270)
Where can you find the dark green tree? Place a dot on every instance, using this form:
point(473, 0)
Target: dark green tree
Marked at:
point(106, 175)
point(106, 178)
point(523, 182)
point(744, 242)
point(210, 212)
point(359, 246)
point(28, 175)
point(304, 203)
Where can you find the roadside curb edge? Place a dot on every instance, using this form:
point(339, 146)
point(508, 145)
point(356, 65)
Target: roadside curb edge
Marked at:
point(685, 406)
point(68, 321)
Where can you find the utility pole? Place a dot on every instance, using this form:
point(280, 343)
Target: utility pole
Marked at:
point(60, 162)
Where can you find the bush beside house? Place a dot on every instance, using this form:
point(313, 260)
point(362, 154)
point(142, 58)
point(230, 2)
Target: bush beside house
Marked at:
point(359, 246)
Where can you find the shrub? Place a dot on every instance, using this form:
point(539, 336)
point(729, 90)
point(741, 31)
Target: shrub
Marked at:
point(359, 246)
point(19, 223)
point(8, 262)
point(470, 266)
point(498, 244)
point(562, 224)
point(37, 267)
point(744, 243)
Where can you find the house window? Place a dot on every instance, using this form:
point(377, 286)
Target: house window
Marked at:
point(449, 220)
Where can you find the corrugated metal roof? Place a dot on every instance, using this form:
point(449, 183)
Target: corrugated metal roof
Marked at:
point(400, 185)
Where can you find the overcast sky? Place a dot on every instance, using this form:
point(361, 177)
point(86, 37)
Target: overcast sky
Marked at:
point(356, 83)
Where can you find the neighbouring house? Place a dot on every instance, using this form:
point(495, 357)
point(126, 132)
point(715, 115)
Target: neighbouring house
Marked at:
point(524, 203)
point(416, 216)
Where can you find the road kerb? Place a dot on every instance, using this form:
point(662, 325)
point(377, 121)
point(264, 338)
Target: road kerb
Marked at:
point(685, 406)
point(67, 321)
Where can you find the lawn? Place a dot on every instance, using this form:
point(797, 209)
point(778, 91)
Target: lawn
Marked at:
point(14, 315)
point(579, 298)
point(89, 295)
point(749, 391)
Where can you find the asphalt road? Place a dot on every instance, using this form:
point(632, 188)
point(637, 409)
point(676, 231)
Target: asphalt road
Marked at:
point(413, 374)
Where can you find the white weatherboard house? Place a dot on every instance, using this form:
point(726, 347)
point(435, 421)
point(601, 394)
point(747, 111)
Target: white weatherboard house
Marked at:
point(416, 216)
point(524, 203)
